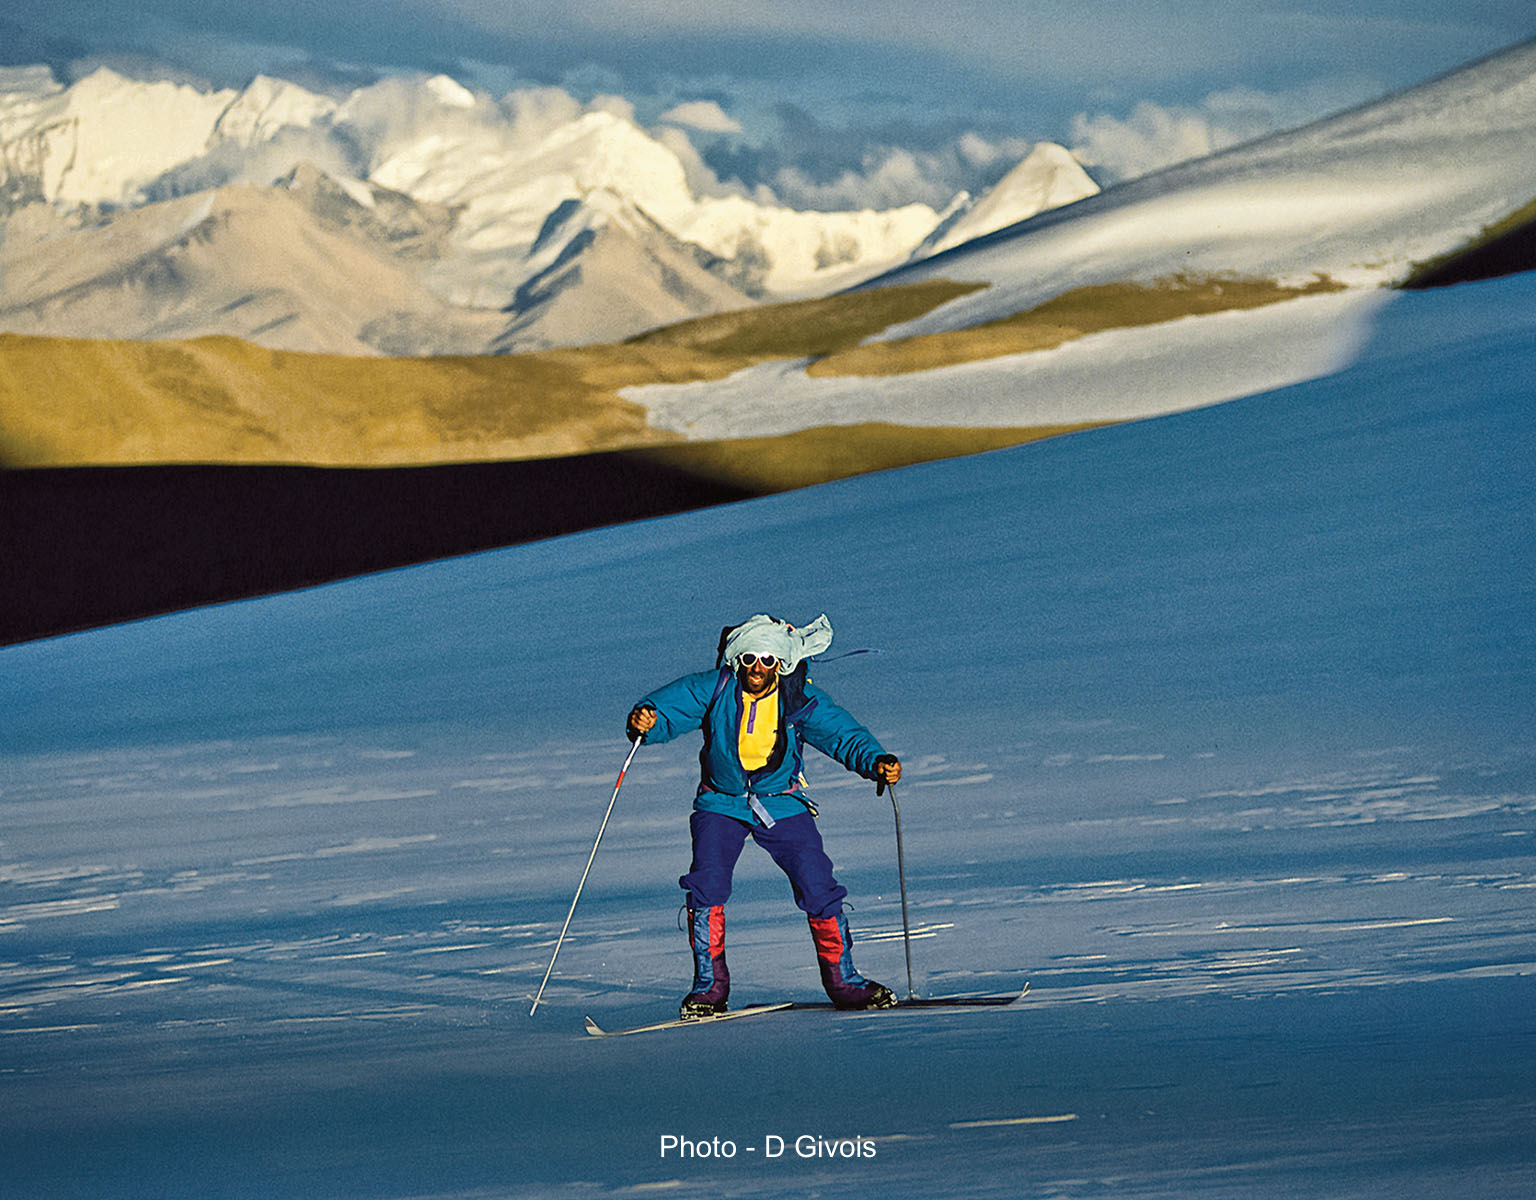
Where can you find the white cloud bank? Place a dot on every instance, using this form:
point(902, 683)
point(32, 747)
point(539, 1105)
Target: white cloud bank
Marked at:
point(1156, 136)
point(704, 115)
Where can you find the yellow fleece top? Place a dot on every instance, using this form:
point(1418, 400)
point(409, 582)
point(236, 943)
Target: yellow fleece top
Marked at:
point(759, 728)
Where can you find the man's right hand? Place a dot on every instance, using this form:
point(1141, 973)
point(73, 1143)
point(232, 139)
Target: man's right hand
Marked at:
point(641, 721)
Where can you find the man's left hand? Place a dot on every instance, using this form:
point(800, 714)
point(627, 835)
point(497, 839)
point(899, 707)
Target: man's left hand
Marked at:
point(887, 770)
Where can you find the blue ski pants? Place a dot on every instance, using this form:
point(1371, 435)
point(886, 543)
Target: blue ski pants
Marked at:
point(794, 843)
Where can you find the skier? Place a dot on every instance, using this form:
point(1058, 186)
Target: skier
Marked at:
point(756, 710)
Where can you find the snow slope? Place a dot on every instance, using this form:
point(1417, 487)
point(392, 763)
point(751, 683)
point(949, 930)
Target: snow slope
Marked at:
point(1113, 376)
point(1358, 198)
point(1217, 730)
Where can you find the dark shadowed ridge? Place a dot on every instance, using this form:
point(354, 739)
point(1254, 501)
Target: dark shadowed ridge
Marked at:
point(91, 546)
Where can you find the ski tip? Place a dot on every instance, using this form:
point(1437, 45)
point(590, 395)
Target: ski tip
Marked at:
point(751, 1011)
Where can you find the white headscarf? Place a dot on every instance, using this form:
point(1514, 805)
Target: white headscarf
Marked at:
point(763, 634)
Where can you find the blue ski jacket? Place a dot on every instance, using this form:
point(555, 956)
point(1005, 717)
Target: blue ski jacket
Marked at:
point(711, 701)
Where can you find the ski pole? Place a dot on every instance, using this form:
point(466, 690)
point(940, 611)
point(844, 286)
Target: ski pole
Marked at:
point(901, 873)
point(635, 745)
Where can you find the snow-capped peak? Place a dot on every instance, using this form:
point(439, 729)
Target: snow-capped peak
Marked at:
point(107, 137)
point(449, 92)
point(1048, 177)
point(268, 106)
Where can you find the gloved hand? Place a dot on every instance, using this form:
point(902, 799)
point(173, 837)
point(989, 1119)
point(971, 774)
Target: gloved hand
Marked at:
point(641, 721)
point(887, 771)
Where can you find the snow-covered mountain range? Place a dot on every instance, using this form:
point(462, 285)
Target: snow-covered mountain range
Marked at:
point(438, 219)
point(421, 219)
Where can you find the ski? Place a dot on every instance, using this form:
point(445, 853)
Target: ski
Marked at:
point(935, 1002)
point(755, 1010)
point(678, 1023)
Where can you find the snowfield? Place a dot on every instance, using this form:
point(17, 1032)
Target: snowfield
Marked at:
point(1217, 729)
point(1119, 375)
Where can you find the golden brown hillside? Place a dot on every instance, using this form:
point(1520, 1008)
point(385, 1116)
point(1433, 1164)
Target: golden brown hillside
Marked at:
point(72, 402)
point(221, 400)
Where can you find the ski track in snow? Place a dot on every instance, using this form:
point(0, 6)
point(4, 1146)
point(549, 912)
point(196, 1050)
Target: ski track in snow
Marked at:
point(197, 850)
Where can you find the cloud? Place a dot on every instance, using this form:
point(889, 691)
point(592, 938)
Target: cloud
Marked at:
point(614, 106)
point(398, 111)
point(401, 111)
point(262, 164)
point(702, 180)
point(893, 179)
point(1108, 42)
point(808, 160)
point(704, 115)
point(537, 112)
point(898, 97)
point(1033, 61)
point(1122, 78)
point(888, 178)
point(1154, 135)
point(982, 153)
point(825, 166)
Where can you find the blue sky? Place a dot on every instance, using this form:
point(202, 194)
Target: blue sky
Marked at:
point(837, 99)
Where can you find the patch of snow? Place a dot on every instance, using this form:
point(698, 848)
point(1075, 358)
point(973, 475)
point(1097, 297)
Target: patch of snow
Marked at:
point(1119, 375)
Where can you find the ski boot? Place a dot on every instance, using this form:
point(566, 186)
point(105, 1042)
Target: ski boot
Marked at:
point(711, 979)
point(834, 955)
